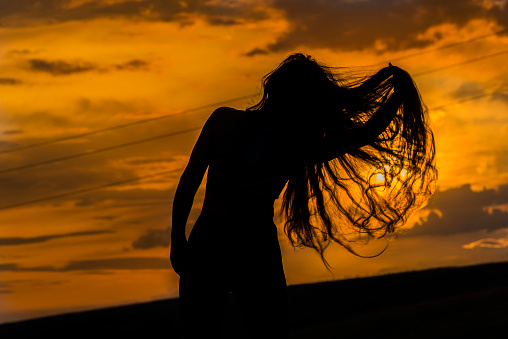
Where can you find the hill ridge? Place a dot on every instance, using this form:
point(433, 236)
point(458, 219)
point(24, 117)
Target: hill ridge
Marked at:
point(469, 293)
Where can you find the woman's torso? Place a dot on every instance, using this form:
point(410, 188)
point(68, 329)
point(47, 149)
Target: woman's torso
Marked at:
point(246, 172)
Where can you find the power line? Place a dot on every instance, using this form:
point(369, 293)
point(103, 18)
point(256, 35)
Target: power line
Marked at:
point(112, 128)
point(175, 133)
point(85, 190)
point(98, 150)
point(117, 183)
point(461, 63)
point(216, 104)
point(451, 45)
point(131, 143)
point(471, 98)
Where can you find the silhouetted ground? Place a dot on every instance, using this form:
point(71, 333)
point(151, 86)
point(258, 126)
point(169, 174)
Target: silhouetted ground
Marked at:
point(438, 303)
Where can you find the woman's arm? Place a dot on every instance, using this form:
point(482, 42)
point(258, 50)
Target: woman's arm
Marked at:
point(187, 187)
point(376, 125)
point(337, 145)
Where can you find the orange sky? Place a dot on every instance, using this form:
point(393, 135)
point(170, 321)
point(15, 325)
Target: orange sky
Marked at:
point(70, 67)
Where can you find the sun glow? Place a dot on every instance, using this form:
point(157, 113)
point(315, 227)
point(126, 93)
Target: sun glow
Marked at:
point(379, 178)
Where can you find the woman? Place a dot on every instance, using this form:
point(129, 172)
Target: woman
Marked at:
point(356, 158)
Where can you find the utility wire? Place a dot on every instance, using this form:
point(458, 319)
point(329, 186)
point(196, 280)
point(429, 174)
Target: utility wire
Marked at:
point(98, 150)
point(175, 133)
point(117, 183)
point(216, 104)
point(112, 128)
point(461, 63)
point(88, 189)
point(104, 149)
point(451, 45)
point(471, 98)
point(167, 135)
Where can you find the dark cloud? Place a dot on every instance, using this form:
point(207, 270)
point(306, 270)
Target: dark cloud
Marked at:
point(257, 51)
point(13, 131)
point(468, 89)
point(338, 24)
point(60, 67)
point(501, 160)
point(132, 263)
point(149, 161)
point(84, 202)
point(17, 52)
point(500, 96)
point(8, 267)
point(133, 65)
point(125, 198)
point(7, 144)
point(10, 81)
point(106, 217)
point(225, 21)
point(33, 240)
point(391, 25)
point(107, 106)
point(5, 288)
point(61, 178)
point(8, 287)
point(30, 12)
point(63, 67)
point(464, 210)
point(11, 267)
point(43, 119)
point(153, 238)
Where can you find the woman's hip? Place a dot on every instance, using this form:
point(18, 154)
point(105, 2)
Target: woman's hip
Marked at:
point(224, 244)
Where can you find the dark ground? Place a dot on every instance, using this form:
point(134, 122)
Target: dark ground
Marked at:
point(470, 302)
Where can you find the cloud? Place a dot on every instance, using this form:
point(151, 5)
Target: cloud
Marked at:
point(337, 24)
point(17, 52)
point(33, 240)
point(12, 267)
point(153, 238)
point(224, 13)
point(132, 65)
point(499, 95)
point(487, 243)
point(133, 263)
point(71, 178)
point(129, 263)
point(7, 144)
point(13, 131)
point(385, 25)
point(60, 67)
point(468, 89)
point(151, 162)
point(106, 217)
point(44, 119)
point(463, 210)
point(10, 81)
point(256, 51)
point(107, 106)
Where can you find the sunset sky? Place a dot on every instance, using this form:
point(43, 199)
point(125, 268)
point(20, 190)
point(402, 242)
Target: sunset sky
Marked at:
point(79, 234)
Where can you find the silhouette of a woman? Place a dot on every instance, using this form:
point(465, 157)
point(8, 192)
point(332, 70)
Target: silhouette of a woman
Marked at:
point(356, 157)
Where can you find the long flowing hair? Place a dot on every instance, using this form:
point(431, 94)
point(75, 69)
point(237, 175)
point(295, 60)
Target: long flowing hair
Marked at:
point(364, 192)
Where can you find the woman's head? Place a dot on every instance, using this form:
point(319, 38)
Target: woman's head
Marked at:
point(299, 87)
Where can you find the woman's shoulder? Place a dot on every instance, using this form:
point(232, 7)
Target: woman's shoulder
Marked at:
point(225, 114)
point(228, 112)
